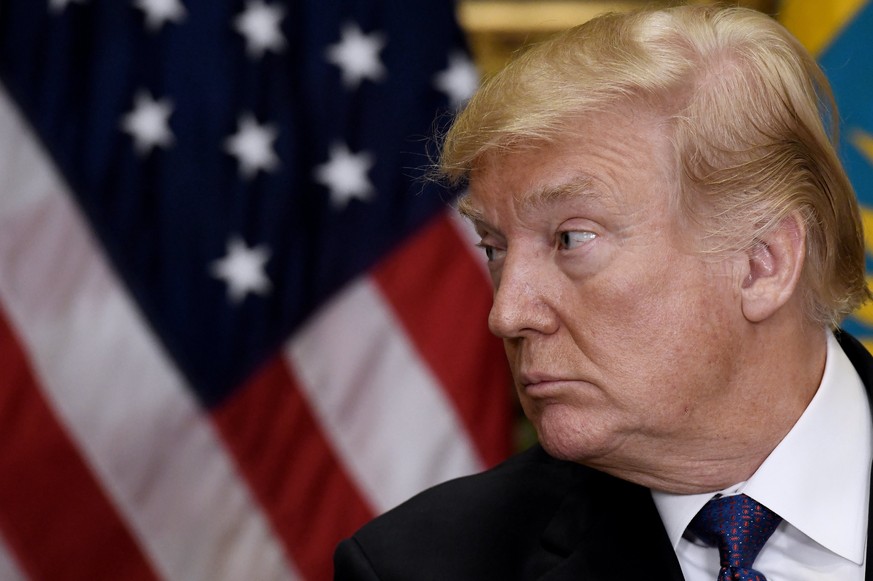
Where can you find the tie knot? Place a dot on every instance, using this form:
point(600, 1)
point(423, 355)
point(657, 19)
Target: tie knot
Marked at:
point(739, 526)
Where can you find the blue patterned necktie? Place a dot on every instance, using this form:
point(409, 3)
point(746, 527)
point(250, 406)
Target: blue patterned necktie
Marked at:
point(739, 526)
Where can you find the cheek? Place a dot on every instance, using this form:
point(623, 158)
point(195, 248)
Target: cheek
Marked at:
point(667, 294)
point(619, 306)
point(658, 332)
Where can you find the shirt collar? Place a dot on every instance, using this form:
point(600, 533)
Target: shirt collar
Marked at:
point(818, 476)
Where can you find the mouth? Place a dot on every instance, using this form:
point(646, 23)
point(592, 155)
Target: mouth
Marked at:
point(546, 385)
point(534, 383)
point(528, 377)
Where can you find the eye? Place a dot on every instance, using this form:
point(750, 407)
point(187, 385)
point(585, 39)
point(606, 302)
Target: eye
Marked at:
point(491, 253)
point(574, 238)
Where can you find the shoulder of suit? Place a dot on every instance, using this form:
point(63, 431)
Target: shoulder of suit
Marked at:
point(860, 358)
point(527, 487)
point(485, 526)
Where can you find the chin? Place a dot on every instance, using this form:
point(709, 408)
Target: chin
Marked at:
point(568, 436)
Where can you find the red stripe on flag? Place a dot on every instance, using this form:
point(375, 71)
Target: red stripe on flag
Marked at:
point(442, 299)
point(53, 512)
point(291, 468)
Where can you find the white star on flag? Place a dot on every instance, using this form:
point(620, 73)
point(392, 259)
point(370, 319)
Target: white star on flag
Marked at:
point(242, 269)
point(252, 146)
point(149, 123)
point(259, 24)
point(459, 81)
point(159, 12)
point(59, 5)
point(345, 175)
point(357, 55)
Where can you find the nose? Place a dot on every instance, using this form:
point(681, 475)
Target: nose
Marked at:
point(523, 297)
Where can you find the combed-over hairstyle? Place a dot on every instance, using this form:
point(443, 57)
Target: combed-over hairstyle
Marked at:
point(748, 109)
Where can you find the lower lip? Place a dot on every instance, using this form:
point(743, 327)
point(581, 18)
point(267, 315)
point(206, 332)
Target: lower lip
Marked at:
point(549, 388)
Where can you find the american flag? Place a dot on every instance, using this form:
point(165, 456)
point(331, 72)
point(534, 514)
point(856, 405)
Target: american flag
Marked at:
point(235, 321)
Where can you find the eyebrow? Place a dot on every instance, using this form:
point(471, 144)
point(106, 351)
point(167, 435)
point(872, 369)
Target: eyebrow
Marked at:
point(466, 208)
point(579, 187)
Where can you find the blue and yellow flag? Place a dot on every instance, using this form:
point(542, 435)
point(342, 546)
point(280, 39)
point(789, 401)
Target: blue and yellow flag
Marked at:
point(840, 35)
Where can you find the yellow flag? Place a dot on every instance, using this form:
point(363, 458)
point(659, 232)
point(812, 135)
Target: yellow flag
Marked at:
point(816, 23)
point(840, 35)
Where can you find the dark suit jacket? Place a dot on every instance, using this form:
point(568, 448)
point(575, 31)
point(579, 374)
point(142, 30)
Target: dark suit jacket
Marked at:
point(532, 517)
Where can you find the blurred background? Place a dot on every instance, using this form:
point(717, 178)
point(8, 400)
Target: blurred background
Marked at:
point(496, 29)
point(237, 320)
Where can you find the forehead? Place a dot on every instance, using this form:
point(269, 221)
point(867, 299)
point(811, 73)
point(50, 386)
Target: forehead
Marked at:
point(623, 158)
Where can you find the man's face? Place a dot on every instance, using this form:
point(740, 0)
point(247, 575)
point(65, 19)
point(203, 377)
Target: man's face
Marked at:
point(620, 334)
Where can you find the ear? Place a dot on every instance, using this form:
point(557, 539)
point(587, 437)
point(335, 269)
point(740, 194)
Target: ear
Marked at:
point(774, 265)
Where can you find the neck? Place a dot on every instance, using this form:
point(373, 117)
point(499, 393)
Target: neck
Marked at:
point(778, 373)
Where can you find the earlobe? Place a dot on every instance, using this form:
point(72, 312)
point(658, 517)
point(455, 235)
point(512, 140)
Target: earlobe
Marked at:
point(773, 269)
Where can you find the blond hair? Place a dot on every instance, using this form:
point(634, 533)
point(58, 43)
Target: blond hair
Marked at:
point(748, 108)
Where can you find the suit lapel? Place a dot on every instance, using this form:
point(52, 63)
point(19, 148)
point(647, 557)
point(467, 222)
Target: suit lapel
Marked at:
point(863, 363)
point(608, 530)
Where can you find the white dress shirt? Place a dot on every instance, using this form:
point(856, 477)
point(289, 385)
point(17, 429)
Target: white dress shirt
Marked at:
point(817, 479)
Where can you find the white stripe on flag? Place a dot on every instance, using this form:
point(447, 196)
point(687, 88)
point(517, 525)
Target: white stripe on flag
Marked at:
point(148, 441)
point(394, 442)
point(9, 568)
